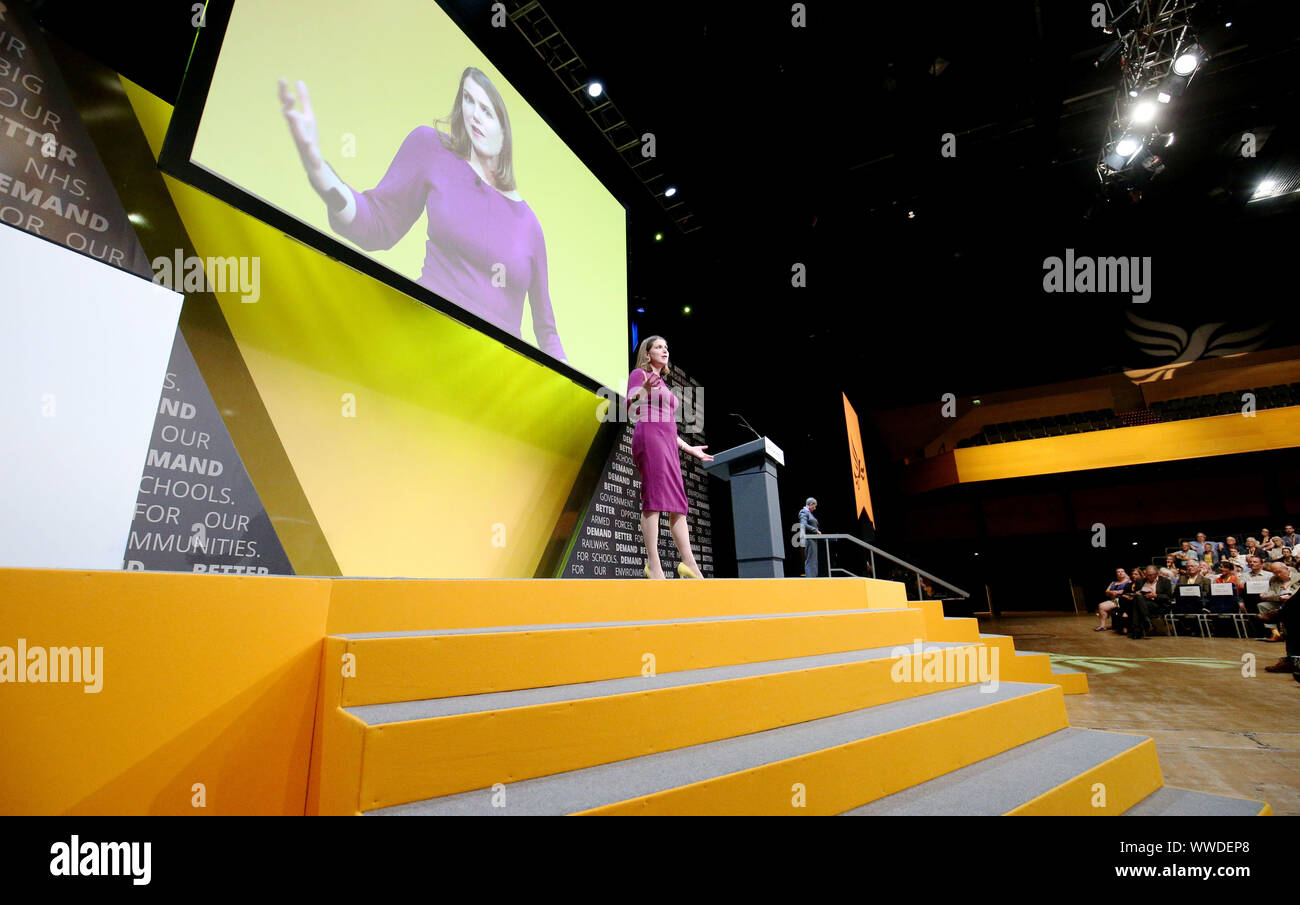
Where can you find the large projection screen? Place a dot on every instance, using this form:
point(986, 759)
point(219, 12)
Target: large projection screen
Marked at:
point(448, 183)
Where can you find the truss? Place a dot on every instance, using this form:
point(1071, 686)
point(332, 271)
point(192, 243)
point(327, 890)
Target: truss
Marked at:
point(541, 32)
point(1151, 34)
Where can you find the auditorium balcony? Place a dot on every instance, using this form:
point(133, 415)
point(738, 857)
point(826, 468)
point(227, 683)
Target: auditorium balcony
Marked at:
point(1214, 407)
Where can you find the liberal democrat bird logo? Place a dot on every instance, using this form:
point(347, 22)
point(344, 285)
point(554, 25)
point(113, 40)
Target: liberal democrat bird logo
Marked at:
point(1172, 341)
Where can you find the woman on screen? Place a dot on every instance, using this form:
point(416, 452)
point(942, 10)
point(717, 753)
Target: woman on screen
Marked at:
point(485, 248)
point(655, 446)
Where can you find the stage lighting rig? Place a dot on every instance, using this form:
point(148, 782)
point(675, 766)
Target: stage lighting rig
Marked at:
point(1159, 55)
point(537, 27)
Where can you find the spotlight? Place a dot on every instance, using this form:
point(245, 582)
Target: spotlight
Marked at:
point(670, 191)
point(1169, 140)
point(1127, 147)
point(1143, 112)
point(1164, 97)
point(1123, 153)
point(595, 89)
point(686, 309)
point(1186, 63)
point(659, 237)
point(640, 311)
point(1133, 93)
point(1265, 189)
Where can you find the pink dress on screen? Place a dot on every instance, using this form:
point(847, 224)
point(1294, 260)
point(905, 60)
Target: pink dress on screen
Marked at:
point(654, 446)
point(484, 252)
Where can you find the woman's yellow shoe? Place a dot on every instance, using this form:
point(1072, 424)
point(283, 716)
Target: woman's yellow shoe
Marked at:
point(647, 571)
point(685, 571)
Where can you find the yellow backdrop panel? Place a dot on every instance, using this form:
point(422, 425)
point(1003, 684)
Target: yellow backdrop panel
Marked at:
point(425, 448)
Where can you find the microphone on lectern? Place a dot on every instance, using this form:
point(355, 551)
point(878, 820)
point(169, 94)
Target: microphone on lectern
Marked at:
point(746, 423)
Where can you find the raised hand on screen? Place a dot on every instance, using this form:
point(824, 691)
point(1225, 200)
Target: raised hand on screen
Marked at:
point(302, 125)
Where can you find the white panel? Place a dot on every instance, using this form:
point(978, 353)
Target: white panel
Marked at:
point(83, 354)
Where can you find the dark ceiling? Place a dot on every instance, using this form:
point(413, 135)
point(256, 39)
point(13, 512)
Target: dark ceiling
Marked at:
point(820, 146)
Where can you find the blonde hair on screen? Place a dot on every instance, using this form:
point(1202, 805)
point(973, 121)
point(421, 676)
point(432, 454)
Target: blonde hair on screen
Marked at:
point(503, 171)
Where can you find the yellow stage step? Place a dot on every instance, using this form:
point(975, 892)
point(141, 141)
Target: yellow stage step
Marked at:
point(835, 779)
point(1110, 788)
point(389, 605)
point(1031, 666)
point(823, 766)
point(1070, 771)
point(410, 666)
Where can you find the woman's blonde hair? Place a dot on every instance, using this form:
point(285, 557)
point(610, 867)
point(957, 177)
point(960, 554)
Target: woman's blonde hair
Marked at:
point(643, 356)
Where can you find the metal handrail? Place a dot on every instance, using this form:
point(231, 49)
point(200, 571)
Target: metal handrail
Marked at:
point(805, 537)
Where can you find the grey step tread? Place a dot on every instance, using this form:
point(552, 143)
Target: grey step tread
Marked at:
point(1173, 802)
point(591, 787)
point(561, 626)
point(429, 708)
point(1064, 671)
point(1005, 781)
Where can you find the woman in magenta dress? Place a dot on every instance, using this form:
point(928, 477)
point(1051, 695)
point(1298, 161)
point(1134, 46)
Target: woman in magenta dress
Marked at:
point(655, 450)
point(485, 250)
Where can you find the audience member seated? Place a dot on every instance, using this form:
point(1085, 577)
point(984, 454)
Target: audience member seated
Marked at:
point(1126, 602)
point(1113, 592)
point(1290, 538)
point(1233, 554)
point(1254, 581)
point(1282, 588)
point(1274, 548)
point(1153, 598)
point(1185, 555)
point(1225, 603)
point(1170, 568)
point(1192, 591)
point(1252, 548)
point(1289, 618)
point(1206, 550)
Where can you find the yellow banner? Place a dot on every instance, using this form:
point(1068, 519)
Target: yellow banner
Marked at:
point(861, 494)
